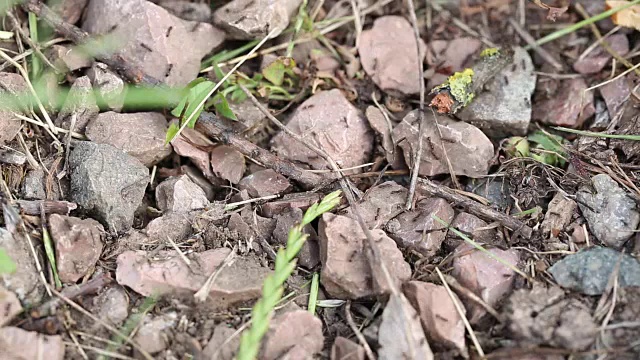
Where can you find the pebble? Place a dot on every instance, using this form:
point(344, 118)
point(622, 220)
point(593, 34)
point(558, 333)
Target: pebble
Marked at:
point(109, 86)
point(227, 163)
point(10, 83)
point(24, 282)
point(380, 204)
point(180, 195)
point(249, 19)
point(264, 183)
point(293, 335)
point(598, 58)
point(81, 103)
point(9, 304)
point(564, 107)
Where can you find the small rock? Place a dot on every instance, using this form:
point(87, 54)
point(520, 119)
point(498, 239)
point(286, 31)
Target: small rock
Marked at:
point(248, 19)
point(388, 52)
point(468, 149)
point(10, 306)
point(108, 85)
point(627, 310)
point(12, 157)
point(227, 163)
point(543, 316)
point(108, 183)
point(176, 225)
point(223, 345)
point(615, 94)
point(558, 215)
point(300, 201)
point(329, 121)
point(81, 103)
point(78, 245)
point(611, 213)
point(564, 108)
point(111, 305)
point(309, 255)
point(383, 128)
point(33, 185)
point(505, 107)
point(167, 273)
point(186, 145)
point(165, 47)
point(264, 183)
point(69, 58)
point(24, 282)
point(186, 10)
point(483, 275)
point(451, 56)
point(293, 335)
point(602, 119)
point(589, 270)
point(150, 337)
point(596, 60)
point(141, 135)
point(10, 84)
point(345, 349)
point(249, 115)
point(471, 226)
point(438, 315)
point(180, 194)
point(381, 203)
point(418, 230)
point(346, 272)
point(69, 10)
point(497, 191)
point(18, 344)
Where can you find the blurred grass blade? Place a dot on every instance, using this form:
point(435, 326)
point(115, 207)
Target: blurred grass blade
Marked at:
point(7, 266)
point(51, 256)
point(226, 55)
point(36, 65)
point(313, 294)
point(597, 134)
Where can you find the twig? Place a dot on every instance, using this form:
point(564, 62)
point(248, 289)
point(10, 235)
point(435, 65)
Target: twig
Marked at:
point(32, 207)
point(532, 42)
point(72, 292)
point(356, 331)
point(475, 208)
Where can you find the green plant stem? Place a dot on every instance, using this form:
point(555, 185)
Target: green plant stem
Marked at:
point(313, 294)
point(273, 285)
point(228, 54)
point(36, 65)
point(597, 134)
point(569, 29)
point(48, 249)
point(297, 27)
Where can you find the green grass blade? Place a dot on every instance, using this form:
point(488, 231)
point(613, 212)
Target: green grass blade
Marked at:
point(227, 55)
point(48, 249)
point(313, 294)
point(36, 65)
point(597, 134)
point(7, 265)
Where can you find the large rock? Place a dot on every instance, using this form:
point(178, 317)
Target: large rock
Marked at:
point(162, 45)
point(329, 121)
point(81, 103)
point(389, 54)
point(78, 245)
point(611, 213)
point(107, 183)
point(24, 282)
point(255, 19)
point(141, 135)
point(180, 194)
point(346, 272)
point(468, 149)
point(505, 107)
point(10, 84)
point(18, 344)
point(568, 106)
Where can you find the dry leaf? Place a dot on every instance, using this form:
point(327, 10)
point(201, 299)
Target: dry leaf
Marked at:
point(629, 17)
point(554, 12)
point(401, 335)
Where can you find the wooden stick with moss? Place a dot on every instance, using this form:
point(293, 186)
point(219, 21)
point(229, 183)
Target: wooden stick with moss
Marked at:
point(272, 287)
point(460, 88)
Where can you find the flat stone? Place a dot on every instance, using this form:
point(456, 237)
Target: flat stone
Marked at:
point(109, 86)
point(468, 148)
point(440, 319)
point(223, 345)
point(598, 58)
point(69, 10)
point(389, 55)
point(558, 216)
point(10, 84)
point(497, 191)
point(167, 274)
point(346, 272)
point(309, 255)
point(249, 19)
point(249, 116)
point(345, 349)
point(187, 10)
point(566, 107)
point(78, 245)
point(293, 335)
point(264, 183)
point(483, 275)
point(141, 135)
point(16, 343)
point(615, 94)
point(328, 121)
point(383, 128)
point(611, 213)
point(9, 304)
point(451, 56)
point(107, 183)
point(300, 201)
point(69, 58)
point(180, 194)
point(589, 270)
point(150, 336)
point(164, 46)
point(504, 108)
point(24, 282)
point(111, 305)
point(185, 145)
point(81, 103)
point(471, 226)
point(418, 230)
point(227, 163)
point(381, 203)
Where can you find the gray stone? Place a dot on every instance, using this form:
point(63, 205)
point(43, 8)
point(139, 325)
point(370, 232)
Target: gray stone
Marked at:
point(611, 213)
point(255, 19)
point(589, 270)
point(141, 135)
point(81, 103)
point(150, 336)
point(24, 282)
point(223, 345)
point(380, 204)
point(107, 183)
point(112, 305)
point(309, 255)
point(497, 191)
point(10, 84)
point(164, 46)
point(108, 86)
point(505, 107)
point(69, 58)
point(180, 194)
point(187, 10)
point(10, 305)
point(69, 10)
point(19, 344)
point(33, 185)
